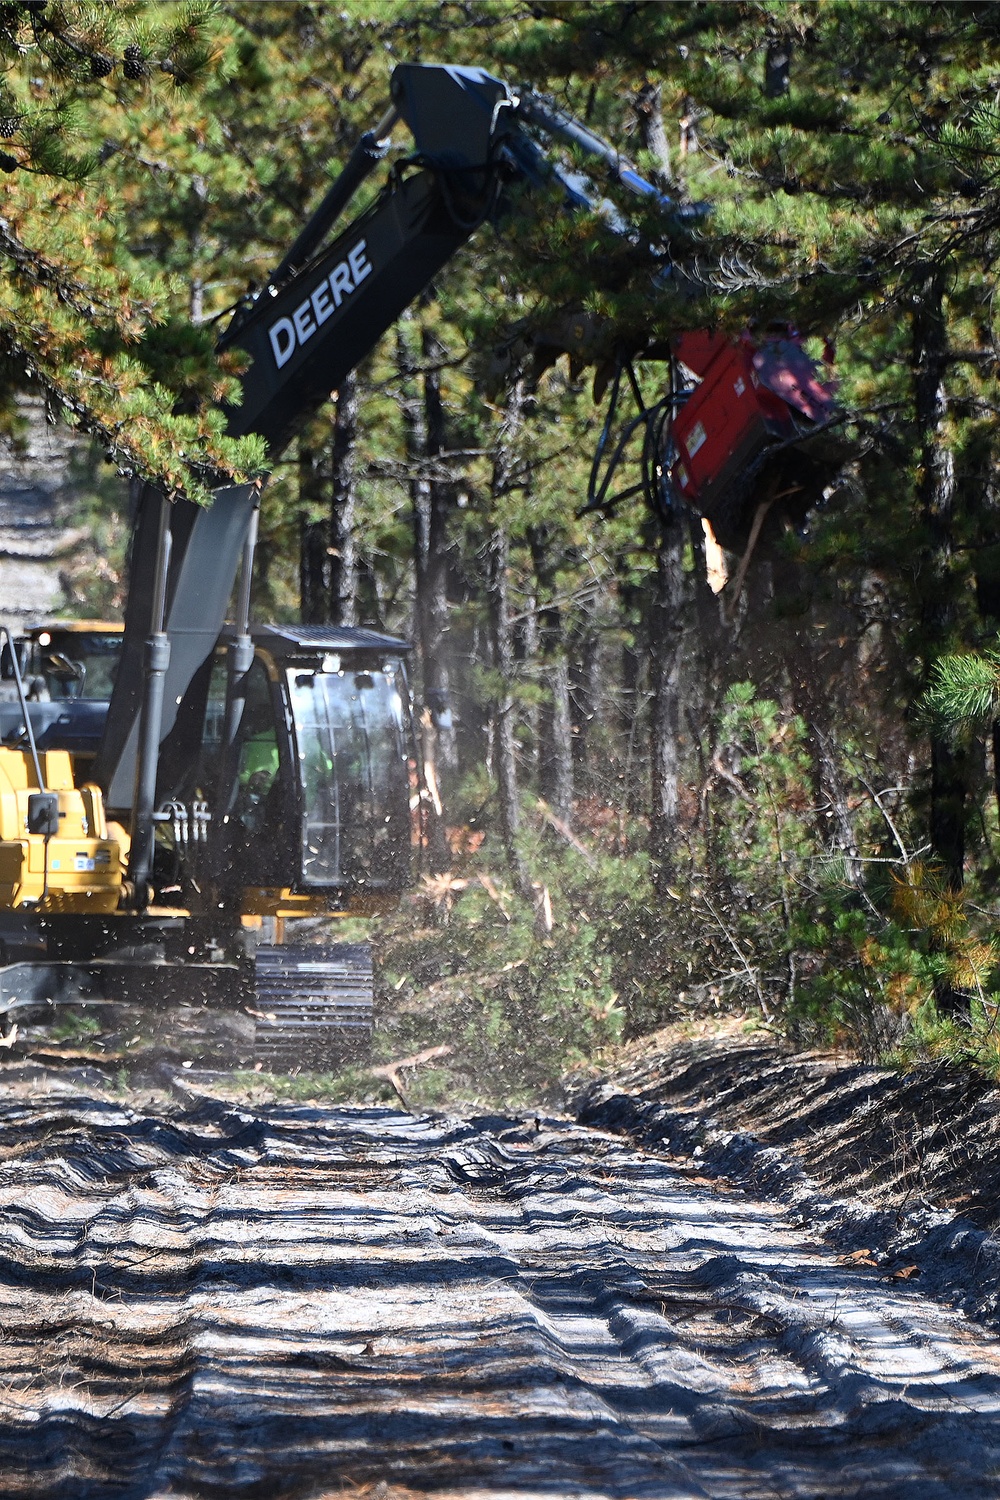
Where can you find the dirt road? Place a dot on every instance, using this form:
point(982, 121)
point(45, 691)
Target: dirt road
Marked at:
point(291, 1301)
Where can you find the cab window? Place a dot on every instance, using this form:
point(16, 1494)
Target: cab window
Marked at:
point(351, 748)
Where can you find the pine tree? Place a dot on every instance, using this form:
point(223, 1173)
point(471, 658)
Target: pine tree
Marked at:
point(82, 320)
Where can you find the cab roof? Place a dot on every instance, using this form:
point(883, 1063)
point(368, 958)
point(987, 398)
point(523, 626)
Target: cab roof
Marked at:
point(76, 627)
point(284, 640)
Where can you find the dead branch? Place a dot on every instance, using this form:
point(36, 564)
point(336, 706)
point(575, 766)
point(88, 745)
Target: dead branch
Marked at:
point(564, 831)
point(391, 1071)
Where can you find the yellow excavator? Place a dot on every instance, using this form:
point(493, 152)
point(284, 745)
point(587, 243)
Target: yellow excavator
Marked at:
point(72, 859)
point(314, 822)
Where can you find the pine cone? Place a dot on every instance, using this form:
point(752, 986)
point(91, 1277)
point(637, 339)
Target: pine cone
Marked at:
point(135, 63)
point(8, 126)
point(100, 64)
point(8, 163)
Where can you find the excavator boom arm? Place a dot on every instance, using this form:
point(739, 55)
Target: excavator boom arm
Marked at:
point(321, 312)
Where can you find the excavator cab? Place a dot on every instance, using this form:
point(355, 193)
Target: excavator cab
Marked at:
point(68, 668)
point(74, 659)
point(319, 799)
point(297, 806)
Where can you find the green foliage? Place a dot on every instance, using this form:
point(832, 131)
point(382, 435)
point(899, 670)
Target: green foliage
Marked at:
point(348, 1086)
point(838, 937)
point(84, 313)
point(970, 1043)
point(852, 945)
point(516, 1002)
point(965, 687)
point(72, 1026)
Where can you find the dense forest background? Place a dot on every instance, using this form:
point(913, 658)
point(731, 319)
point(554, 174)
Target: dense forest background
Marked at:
point(663, 780)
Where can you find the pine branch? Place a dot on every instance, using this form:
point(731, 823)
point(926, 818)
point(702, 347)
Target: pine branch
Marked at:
point(965, 688)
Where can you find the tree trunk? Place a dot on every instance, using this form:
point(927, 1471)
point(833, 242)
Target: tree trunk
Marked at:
point(557, 741)
point(633, 658)
point(343, 570)
point(423, 425)
point(370, 596)
point(555, 720)
point(312, 538)
point(504, 745)
point(502, 640)
point(432, 565)
point(526, 652)
point(936, 497)
point(665, 656)
point(649, 116)
point(584, 696)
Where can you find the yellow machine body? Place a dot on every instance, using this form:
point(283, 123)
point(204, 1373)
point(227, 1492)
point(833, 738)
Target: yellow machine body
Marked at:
point(77, 870)
point(258, 902)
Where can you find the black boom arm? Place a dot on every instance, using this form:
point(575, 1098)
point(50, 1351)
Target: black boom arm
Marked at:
point(319, 316)
point(324, 308)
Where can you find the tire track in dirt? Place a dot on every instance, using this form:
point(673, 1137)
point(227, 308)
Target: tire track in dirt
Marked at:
point(293, 1302)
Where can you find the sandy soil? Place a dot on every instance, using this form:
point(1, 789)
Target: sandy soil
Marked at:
point(903, 1169)
point(200, 1299)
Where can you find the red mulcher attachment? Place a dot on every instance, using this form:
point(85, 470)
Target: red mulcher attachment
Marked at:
point(748, 433)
